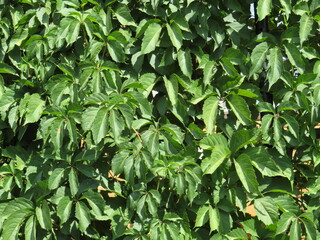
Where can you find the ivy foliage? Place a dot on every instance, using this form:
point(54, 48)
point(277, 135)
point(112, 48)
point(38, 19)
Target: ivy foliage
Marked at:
point(137, 119)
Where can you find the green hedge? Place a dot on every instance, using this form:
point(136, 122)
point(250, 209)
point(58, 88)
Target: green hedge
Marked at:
point(138, 119)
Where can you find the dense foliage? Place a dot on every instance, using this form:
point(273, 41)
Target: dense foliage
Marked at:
point(138, 119)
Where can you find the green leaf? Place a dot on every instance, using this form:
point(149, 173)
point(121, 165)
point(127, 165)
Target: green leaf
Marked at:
point(306, 23)
point(258, 55)
point(30, 229)
point(175, 131)
point(208, 72)
point(55, 178)
point(212, 141)
point(209, 113)
point(293, 124)
point(95, 119)
point(185, 63)
point(116, 123)
point(43, 216)
point(12, 224)
point(295, 57)
point(266, 209)
point(275, 65)
point(116, 51)
point(284, 222)
point(73, 182)
point(238, 234)
point(214, 218)
point(96, 202)
point(83, 216)
point(218, 155)
point(57, 133)
point(5, 68)
point(264, 8)
point(34, 108)
point(202, 216)
point(73, 34)
point(123, 15)
point(240, 109)
point(277, 129)
point(287, 6)
point(295, 230)
point(64, 209)
point(263, 161)
point(175, 35)
point(151, 37)
point(310, 228)
point(243, 137)
point(246, 173)
point(172, 88)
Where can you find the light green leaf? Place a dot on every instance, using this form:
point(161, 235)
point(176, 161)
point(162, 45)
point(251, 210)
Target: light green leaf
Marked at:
point(12, 224)
point(264, 8)
point(214, 218)
point(57, 133)
point(209, 113)
point(284, 222)
point(240, 109)
point(30, 229)
point(64, 209)
point(175, 35)
point(218, 155)
point(243, 137)
point(277, 129)
point(123, 15)
point(55, 178)
point(306, 23)
point(266, 209)
point(294, 56)
point(263, 161)
point(295, 230)
point(151, 37)
point(275, 65)
point(246, 173)
point(116, 51)
point(83, 216)
point(116, 123)
point(5, 68)
point(73, 182)
point(175, 131)
point(287, 7)
point(258, 57)
point(310, 228)
point(172, 88)
point(202, 216)
point(293, 124)
point(208, 72)
point(74, 30)
point(211, 141)
point(96, 202)
point(43, 216)
point(34, 108)
point(185, 63)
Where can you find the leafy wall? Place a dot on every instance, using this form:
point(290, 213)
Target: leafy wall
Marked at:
point(138, 119)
